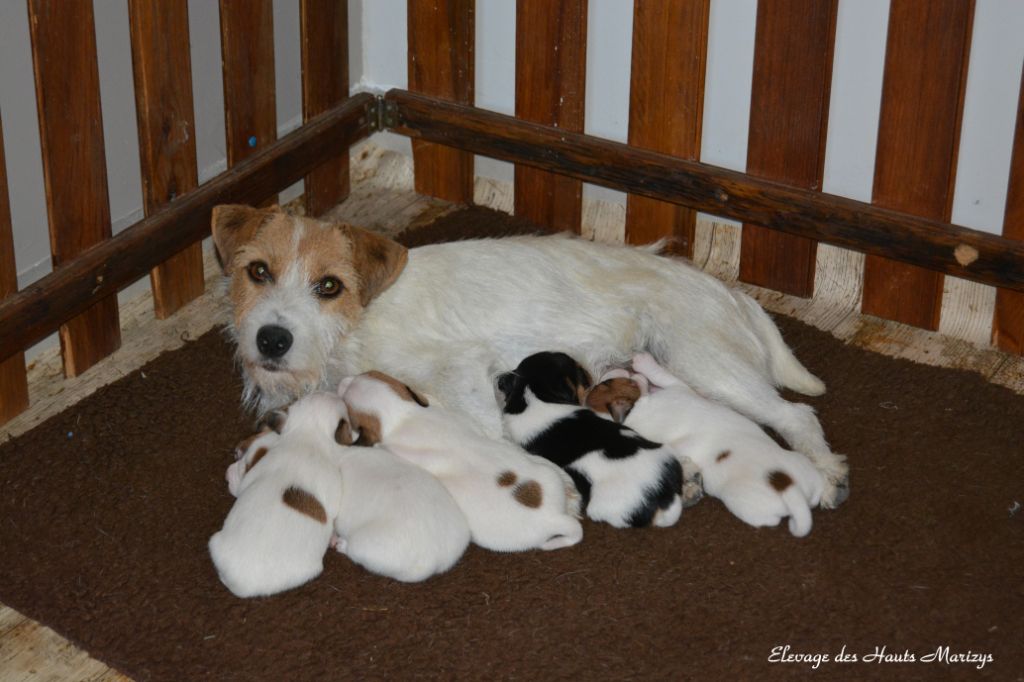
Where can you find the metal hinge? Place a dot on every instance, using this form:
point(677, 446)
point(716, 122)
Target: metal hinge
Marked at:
point(382, 114)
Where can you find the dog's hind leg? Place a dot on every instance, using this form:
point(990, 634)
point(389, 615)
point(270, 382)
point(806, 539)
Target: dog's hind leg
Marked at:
point(746, 390)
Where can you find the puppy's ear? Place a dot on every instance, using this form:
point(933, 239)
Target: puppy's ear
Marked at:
point(274, 420)
point(419, 399)
point(378, 261)
point(343, 434)
point(620, 409)
point(233, 225)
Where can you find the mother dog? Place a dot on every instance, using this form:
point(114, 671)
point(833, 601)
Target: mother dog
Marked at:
point(314, 302)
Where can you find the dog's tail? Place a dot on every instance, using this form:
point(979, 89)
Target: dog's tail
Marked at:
point(785, 368)
point(799, 511)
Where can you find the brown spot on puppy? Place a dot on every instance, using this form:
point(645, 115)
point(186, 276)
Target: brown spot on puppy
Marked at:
point(244, 444)
point(304, 502)
point(779, 480)
point(368, 426)
point(724, 454)
point(401, 390)
point(343, 434)
point(257, 456)
point(506, 478)
point(615, 397)
point(529, 494)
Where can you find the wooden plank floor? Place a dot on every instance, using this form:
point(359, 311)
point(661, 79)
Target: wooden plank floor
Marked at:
point(382, 199)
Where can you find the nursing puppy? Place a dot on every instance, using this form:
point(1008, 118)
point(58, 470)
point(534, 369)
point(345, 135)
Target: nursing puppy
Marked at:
point(758, 481)
point(314, 302)
point(395, 518)
point(288, 486)
point(512, 501)
point(625, 479)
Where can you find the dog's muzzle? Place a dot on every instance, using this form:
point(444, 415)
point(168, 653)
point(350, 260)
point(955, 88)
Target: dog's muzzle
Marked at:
point(273, 341)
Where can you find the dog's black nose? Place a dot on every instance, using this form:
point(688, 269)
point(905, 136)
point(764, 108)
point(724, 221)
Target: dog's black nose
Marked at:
point(273, 341)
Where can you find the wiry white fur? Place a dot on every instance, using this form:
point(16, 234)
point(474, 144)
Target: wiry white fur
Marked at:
point(461, 312)
point(469, 465)
point(618, 486)
point(702, 430)
point(396, 519)
point(265, 546)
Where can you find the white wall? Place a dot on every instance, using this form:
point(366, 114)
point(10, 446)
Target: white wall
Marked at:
point(997, 54)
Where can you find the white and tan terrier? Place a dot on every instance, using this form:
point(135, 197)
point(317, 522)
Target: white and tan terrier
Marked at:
point(757, 480)
point(314, 302)
point(511, 500)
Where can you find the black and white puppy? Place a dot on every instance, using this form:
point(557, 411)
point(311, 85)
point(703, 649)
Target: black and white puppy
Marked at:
point(624, 479)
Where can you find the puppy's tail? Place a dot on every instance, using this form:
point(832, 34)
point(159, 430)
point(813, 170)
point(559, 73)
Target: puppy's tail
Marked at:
point(799, 512)
point(785, 368)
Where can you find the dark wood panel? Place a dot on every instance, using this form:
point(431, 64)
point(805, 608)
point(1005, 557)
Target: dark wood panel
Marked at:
point(551, 55)
point(324, 27)
point(36, 311)
point(788, 123)
point(926, 242)
point(13, 380)
point(74, 170)
point(167, 139)
point(441, 64)
point(666, 107)
point(918, 139)
point(250, 105)
point(1008, 326)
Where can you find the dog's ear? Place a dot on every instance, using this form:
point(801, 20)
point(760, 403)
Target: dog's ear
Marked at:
point(377, 260)
point(343, 434)
point(419, 399)
point(233, 225)
point(620, 409)
point(274, 420)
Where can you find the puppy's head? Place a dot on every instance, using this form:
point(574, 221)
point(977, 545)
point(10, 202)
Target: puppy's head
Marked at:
point(376, 403)
point(549, 377)
point(297, 287)
point(320, 414)
point(614, 398)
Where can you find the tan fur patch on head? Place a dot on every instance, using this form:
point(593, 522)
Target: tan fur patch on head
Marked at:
point(257, 456)
point(779, 480)
point(529, 494)
point(378, 261)
point(401, 390)
point(304, 502)
point(343, 434)
point(724, 454)
point(368, 426)
point(614, 396)
point(507, 478)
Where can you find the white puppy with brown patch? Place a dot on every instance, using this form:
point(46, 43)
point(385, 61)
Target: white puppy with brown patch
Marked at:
point(314, 302)
point(511, 500)
point(393, 518)
point(288, 486)
point(758, 481)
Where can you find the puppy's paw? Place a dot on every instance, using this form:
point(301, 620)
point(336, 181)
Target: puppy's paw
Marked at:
point(837, 481)
point(693, 490)
point(643, 363)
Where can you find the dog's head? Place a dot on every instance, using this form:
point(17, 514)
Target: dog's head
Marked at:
point(320, 414)
point(378, 402)
point(549, 377)
point(614, 398)
point(297, 286)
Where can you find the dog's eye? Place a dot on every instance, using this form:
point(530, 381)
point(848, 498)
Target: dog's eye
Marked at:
point(328, 287)
point(259, 272)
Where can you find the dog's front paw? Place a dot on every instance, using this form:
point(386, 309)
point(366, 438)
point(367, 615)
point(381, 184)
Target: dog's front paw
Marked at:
point(693, 490)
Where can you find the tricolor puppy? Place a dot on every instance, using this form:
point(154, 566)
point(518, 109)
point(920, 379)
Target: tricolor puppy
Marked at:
point(511, 500)
point(625, 479)
point(288, 486)
point(314, 302)
point(758, 481)
point(395, 518)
